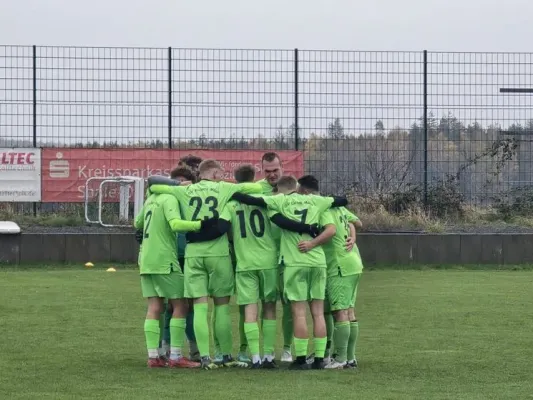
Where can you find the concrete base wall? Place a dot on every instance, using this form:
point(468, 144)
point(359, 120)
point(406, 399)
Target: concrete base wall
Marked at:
point(387, 248)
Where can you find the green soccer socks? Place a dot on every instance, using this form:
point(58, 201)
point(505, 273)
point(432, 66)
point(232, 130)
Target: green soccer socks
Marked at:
point(201, 328)
point(269, 338)
point(352, 342)
point(252, 335)
point(151, 334)
point(341, 336)
point(320, 347)
point(177, 336)
point(223, 328)
point(286, 324)
point(300, 347)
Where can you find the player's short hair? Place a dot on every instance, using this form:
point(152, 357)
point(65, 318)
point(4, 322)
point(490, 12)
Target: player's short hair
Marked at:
point(184, 172)
point(244, 173)
point(309, 182)
point(287, 182)
point(270, 156)
point(190, 161)
point(208, 165)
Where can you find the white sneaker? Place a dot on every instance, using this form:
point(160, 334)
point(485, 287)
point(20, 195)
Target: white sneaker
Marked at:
point(335, 365)
point(286, 356)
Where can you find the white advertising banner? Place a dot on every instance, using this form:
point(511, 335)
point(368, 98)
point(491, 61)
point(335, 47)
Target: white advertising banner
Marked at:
point(20, 174)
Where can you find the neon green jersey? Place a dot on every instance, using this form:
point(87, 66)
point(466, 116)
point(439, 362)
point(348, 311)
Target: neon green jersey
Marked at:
point(339, 260)
point(346, 264)
point(202, 200)
point(266, 188)
point(255, 246)
point(307, 209)
point(158, 255)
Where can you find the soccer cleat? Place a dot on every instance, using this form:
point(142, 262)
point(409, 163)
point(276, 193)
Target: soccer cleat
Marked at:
point(286, 356)
point(351, 364)
point(256, 365)
point(156, 363)
point(195, 357)
point(228, 361)
point(218, 356)
point(310, 358)
point(269, 364)
point(243, 357)
point(207, 364)
point(298, 366)
point(318, 363)
point(183, 362)
point(335, 365)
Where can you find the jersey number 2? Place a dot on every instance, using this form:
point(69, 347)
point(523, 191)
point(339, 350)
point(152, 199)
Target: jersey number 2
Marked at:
point(257, 223)
point(210, 201)
point(147, 220)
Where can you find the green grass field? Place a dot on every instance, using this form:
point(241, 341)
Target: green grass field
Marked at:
point(425, 334)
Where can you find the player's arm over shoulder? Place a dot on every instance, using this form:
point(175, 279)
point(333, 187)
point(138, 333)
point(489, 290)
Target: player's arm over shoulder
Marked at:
point(324, 203)
point(247, 187)
point(173, 216)
point(352, 218)
point(166, 189)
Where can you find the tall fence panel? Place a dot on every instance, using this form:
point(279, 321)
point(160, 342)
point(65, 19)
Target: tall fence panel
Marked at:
point(356, 110)
point(233, 99)
point(478, 133)
point(16, 96)
point(377, 124)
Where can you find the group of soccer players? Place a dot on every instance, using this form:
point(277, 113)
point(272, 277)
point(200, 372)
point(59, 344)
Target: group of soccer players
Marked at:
point(267, 240)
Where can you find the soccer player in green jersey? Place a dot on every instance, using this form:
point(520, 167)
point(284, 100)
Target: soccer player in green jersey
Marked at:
point(257, 274)
point(351, 246)
point(343, 271)
point(304, 262)
point(182, 173)
point(161, 276)
point(273, 170)
point(208, 269)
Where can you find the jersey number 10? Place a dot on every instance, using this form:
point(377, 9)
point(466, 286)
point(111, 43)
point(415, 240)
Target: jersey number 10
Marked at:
point(257, 223)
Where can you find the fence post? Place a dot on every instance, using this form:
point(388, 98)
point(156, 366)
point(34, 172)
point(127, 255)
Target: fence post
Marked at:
point(170, 97)
point(296, 133)
point(34, 117)
point(425, 127)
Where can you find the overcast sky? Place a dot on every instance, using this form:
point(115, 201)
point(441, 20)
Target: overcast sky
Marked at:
point(452, 25)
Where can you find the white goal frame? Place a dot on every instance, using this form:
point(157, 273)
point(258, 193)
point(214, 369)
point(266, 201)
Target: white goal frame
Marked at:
point(124, 196)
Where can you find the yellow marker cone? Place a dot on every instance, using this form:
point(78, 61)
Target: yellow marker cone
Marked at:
point(111, 270)
point(89, 265)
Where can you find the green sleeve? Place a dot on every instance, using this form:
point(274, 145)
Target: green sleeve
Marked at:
point(326, 218)
point(139, 220)
point(323, 203)
point(274, 203)
point(171, 208)
point(249, 188)
point(179, 225)
point(227, 211)
point(349, 215)
point(164, 189)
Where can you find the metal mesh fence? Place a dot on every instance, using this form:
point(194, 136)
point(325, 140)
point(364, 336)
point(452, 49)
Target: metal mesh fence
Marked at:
point(374, 123)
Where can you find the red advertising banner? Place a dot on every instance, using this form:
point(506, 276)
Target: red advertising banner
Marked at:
point(65, 171)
